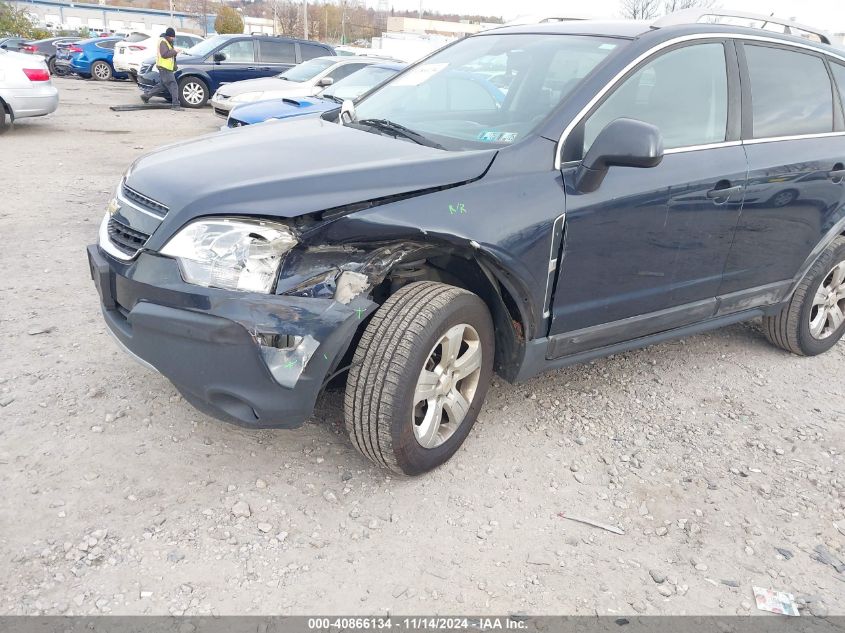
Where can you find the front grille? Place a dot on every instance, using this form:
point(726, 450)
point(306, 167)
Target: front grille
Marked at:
point(127, 240)
point(221, 112)
point(144, 202)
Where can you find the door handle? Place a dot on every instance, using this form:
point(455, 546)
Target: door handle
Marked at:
point(723, 193)
point(250, 67)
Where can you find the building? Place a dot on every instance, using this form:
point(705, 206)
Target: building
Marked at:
point(56, 15)
point(431, 27)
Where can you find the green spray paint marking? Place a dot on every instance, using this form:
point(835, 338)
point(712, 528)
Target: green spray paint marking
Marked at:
point(290, 363)
point(457, 209)
point(360, 311)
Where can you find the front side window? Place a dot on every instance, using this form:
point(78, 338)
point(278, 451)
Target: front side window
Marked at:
point(683, 92)
point(487, 90)
point(790, 92)
point(358, 83)
point(241, 51)
point(277, 52)
point(344, 71)
point(307, 70)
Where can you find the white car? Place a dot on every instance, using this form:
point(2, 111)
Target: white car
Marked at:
point(141, 45)
point(25, 88)
point(305, 80)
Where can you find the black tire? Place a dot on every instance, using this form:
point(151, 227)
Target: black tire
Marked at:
point(184, 84)
point(51, 66)
point(102, 71)
point(388, 361)
point(790, 328)
point(5, 118)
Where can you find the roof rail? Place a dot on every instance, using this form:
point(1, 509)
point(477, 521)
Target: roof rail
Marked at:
point(741, 18)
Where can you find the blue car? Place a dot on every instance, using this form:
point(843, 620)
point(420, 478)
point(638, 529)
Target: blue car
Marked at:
point(222, 59)
point(90, 58)
point(350, 87)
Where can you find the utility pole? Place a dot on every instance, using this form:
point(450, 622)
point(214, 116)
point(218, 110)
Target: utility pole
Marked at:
point(305, 19)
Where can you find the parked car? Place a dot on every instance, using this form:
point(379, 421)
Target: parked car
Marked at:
point(25, 88)
point(90, 58)
point(47, 49)
point(226, 58)
point(308, 79)
point(418, 244)
point(11, 43)
point(139, 45)
point(330, 98)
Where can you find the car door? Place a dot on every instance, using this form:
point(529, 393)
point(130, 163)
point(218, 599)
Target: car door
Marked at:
point(275, 56)
point(237, 62)
point(644, 252)
point(795, 142)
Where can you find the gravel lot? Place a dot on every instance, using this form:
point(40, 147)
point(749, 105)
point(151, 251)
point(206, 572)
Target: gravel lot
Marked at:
point(117, 497)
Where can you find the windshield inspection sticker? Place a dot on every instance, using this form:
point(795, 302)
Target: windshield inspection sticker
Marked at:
point(418, 75)
point(489, 136)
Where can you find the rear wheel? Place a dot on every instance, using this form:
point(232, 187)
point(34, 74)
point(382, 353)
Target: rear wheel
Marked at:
point(193, 93)
point(101, 71)
point(419, 377)
point(814, 319)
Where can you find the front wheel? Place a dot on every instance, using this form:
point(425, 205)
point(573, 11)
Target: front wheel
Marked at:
point(193, 93)
point(814, 319)
point(419, 377)
point(101, 71)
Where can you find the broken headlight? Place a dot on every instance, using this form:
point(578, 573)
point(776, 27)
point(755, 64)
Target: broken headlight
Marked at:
point(235, 254)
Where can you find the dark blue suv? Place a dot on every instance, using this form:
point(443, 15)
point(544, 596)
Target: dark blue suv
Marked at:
point(222, 59)
point(635, 183)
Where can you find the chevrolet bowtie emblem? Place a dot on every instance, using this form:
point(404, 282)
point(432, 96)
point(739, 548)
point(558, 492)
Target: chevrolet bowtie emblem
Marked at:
point(113, 207)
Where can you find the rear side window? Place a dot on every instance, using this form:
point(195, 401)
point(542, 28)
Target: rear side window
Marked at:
point(310, 51)
point(106, 45)
point(790, 92)
point(683, 92)
point(839, 78)
point(137, 37)
point(280, 52)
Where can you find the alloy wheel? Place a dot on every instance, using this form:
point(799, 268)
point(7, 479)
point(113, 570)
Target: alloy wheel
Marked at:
point(193, 93)
point(101, 71)
point(828, 311)
point(446, 386)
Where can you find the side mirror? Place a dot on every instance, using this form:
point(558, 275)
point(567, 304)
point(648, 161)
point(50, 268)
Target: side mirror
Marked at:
point(325, 81)
point(219, 57)
point(347, 112)
point(622, 143)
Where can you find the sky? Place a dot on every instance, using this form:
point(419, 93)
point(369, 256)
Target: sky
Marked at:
point(827, 14)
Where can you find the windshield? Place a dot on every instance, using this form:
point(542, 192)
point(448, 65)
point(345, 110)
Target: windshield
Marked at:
point(488, 89)
point(206, 46)
point(358, 83)
point(307, 70)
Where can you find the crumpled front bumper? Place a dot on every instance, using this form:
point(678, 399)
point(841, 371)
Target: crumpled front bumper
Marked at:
point(208, 342)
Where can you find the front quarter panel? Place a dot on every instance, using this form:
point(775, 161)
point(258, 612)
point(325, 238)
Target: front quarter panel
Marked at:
point(506, 217)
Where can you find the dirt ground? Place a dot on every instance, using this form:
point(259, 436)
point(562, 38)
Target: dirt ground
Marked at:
point(719, 456)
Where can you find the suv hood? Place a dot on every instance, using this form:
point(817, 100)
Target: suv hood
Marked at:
point(291, 168)
point(264, 84)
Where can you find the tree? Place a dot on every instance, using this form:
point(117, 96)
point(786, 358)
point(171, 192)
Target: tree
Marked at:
point(228, 21)
point(640, 9)
point(199, 11)
point(14, 21)
point(670, 6)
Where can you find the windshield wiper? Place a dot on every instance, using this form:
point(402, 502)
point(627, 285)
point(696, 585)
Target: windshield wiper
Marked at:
point(391, 127)
point(332, 98)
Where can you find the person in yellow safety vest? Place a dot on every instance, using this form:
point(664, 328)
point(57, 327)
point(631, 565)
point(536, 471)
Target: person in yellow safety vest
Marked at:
point(166, 64)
